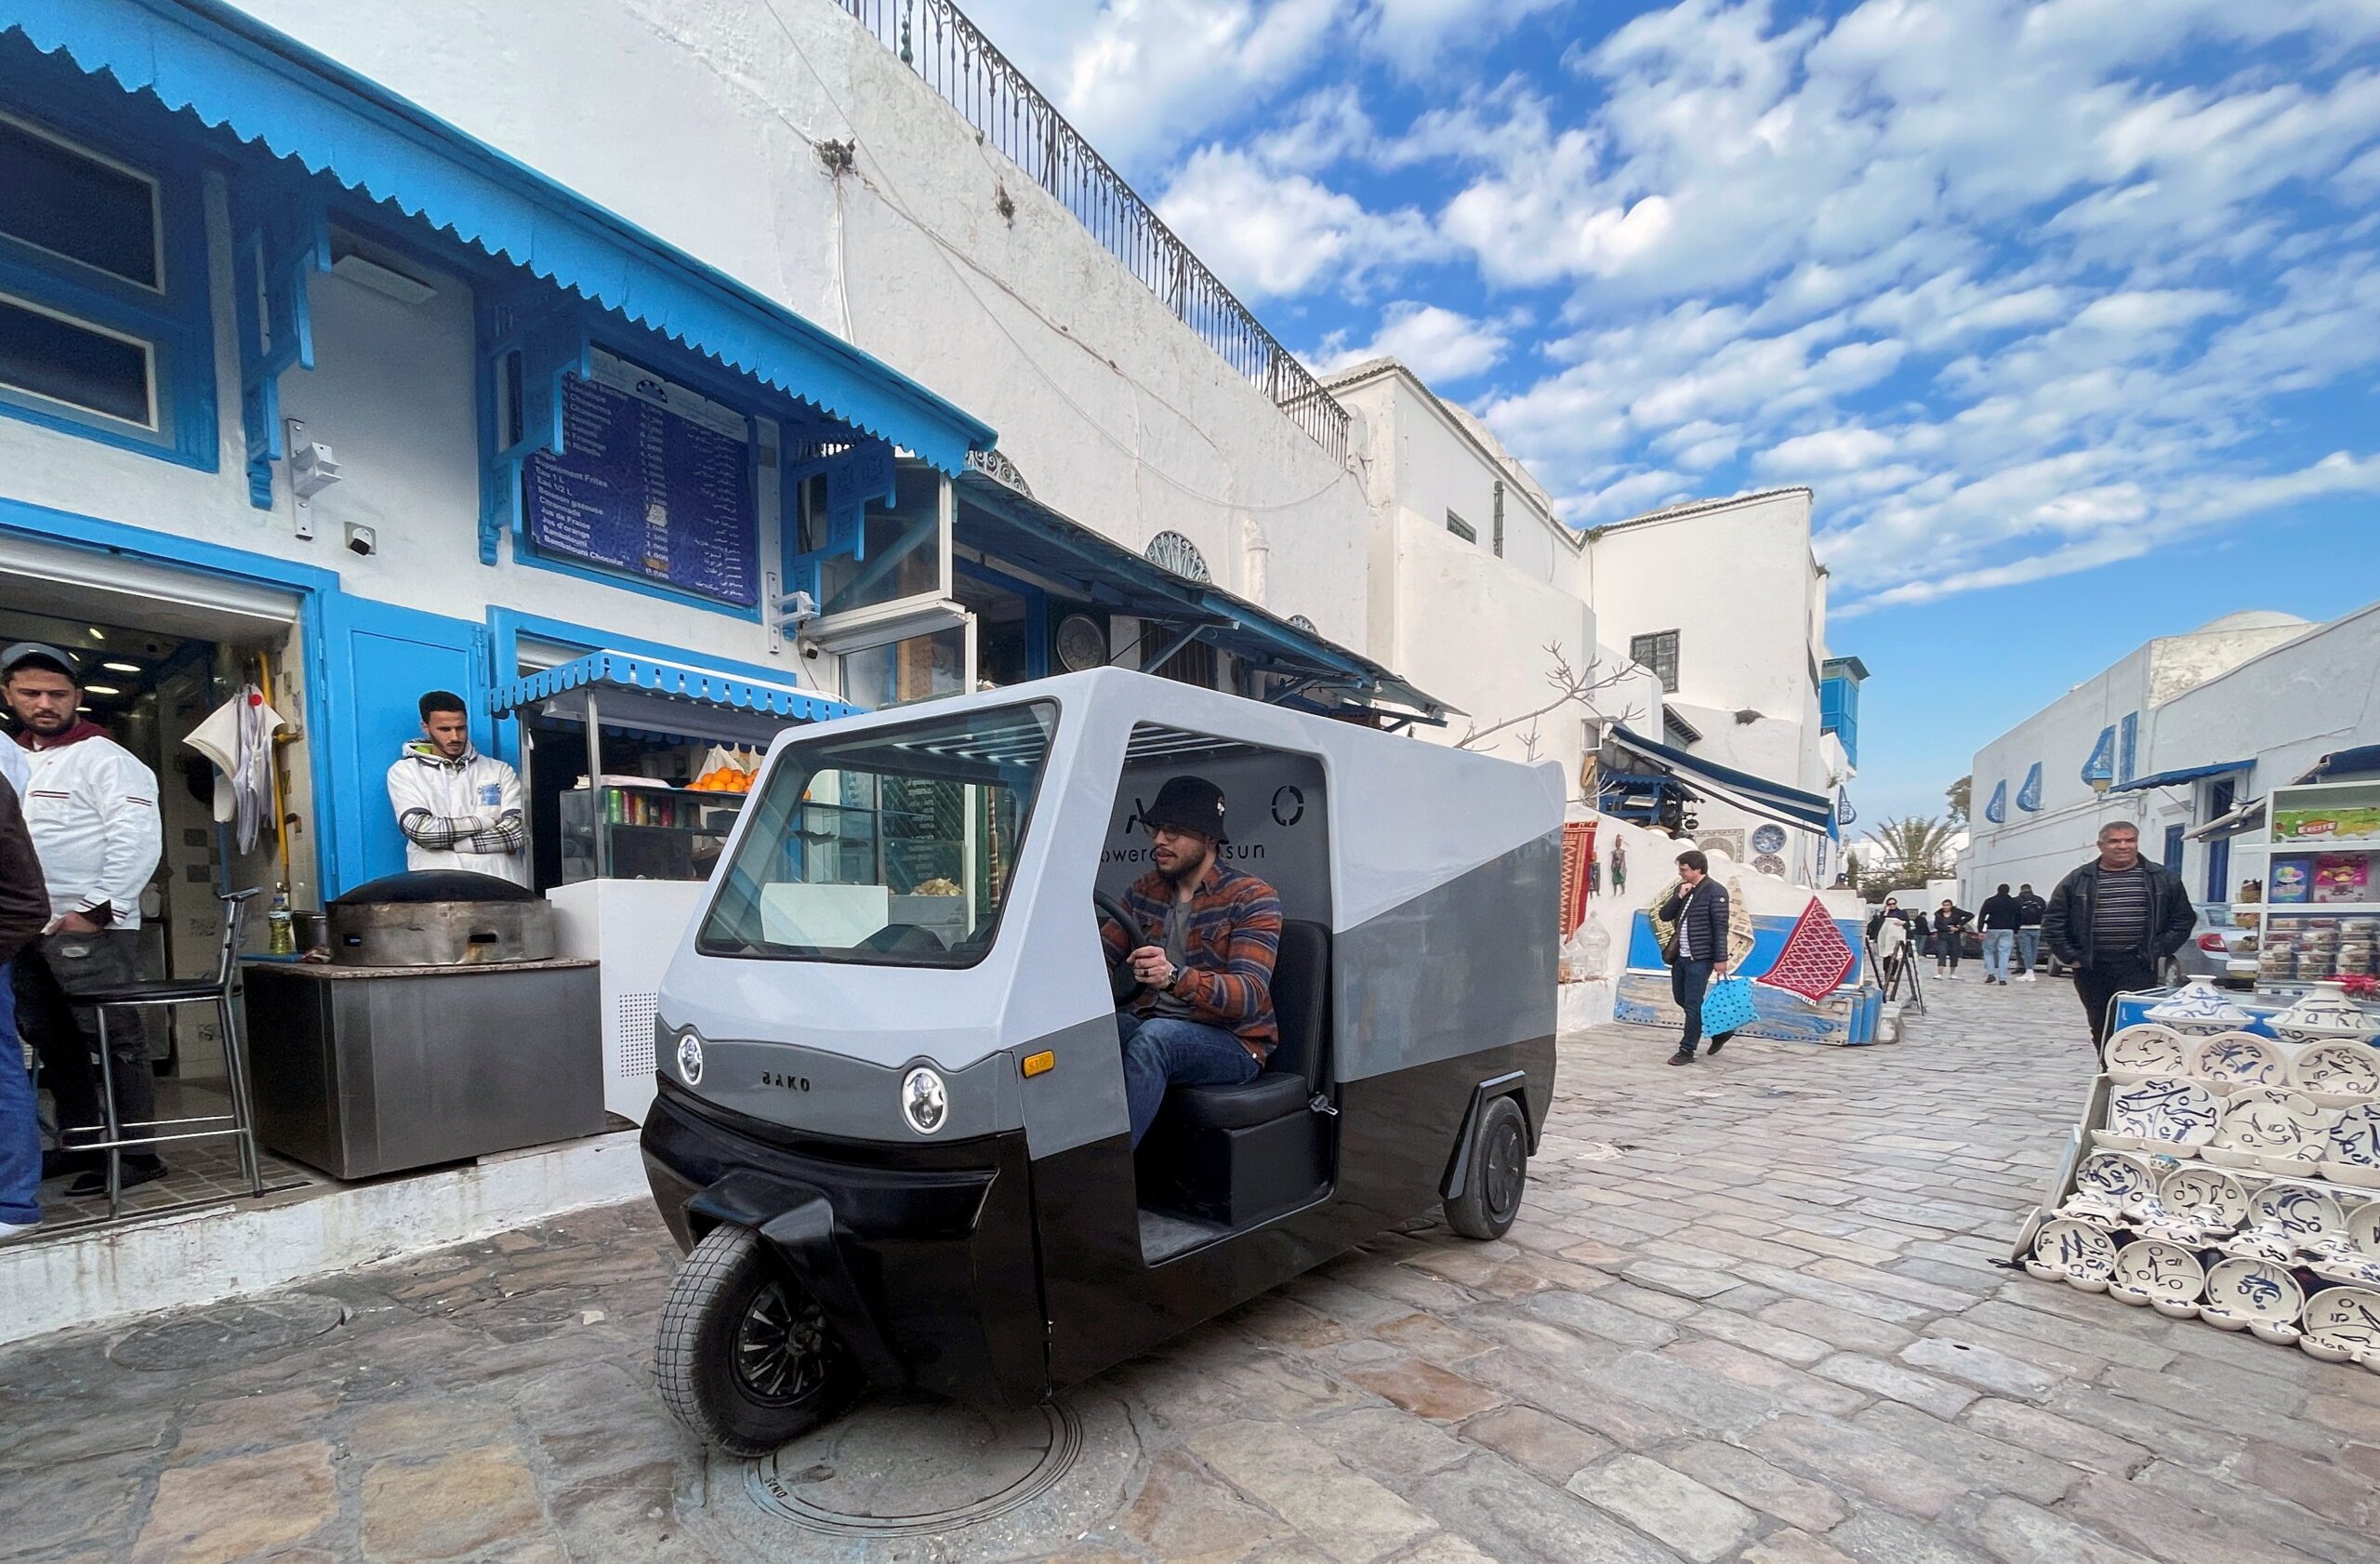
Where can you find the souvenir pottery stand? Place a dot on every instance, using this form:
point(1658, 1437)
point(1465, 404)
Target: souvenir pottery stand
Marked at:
point(2227, 1168)
point(2321, 917)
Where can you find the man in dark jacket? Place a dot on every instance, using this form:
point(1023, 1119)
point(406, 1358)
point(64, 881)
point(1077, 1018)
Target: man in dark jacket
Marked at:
point(24, 910)
point(1998, 915)
point(1698, 951)
point(2114, 920)
point(2030, 910)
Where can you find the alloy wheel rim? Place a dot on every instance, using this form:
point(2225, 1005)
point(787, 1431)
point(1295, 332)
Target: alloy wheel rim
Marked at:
point(781, 1348)
point(1505, 1170)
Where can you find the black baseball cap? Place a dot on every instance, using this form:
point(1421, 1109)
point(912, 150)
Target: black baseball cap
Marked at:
point(1188, 803)
point(40, 655)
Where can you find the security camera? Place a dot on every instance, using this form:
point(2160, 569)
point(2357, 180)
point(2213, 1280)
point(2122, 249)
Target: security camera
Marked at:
point(362, 541)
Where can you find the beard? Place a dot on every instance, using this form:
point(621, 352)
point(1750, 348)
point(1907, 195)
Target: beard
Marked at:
point(1186, 867)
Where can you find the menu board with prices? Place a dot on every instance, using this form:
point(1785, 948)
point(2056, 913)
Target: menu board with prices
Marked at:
point(653, 481)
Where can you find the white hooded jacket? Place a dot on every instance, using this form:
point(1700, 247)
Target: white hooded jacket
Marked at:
point(460, 814)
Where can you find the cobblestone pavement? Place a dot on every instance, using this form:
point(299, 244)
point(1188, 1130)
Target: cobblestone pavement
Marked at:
point(1751, 1313)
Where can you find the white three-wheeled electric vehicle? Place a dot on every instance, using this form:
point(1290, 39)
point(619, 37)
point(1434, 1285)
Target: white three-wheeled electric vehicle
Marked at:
point(890, 1129)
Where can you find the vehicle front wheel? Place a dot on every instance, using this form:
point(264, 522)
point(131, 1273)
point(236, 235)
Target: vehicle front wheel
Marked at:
point(746, 1359)
point(1490, 1197)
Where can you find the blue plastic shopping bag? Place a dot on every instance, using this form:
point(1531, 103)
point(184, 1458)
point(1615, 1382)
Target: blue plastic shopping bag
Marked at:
point(1726, 1005)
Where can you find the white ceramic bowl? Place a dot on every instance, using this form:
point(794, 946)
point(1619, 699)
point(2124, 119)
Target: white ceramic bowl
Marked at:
point(2346, 1319)
point(2146, 1048)
point(2339, 1069)
point(2121, 1175)
point(2300, 1212)
point(2363, 1228)
point(2164, 1108)
point(2244, 1292)
point(2213, 1197)
point(2241, 1058)
point(2272, 1121)
point(2076, 1250)
point(2157, 1269)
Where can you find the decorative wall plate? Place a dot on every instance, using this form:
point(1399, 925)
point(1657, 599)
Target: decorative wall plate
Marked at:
point(2151, 1269)
point(2353, 1154)
point(2346, 1319)
point(2146, 1048)
point(2345, 1069)
point(2081, 1254)
point(2165, 1107)
point(2120, 1175)
point(2274, 1124)
point(2199, 1008)
point(2304, 1214)
point(2244, 1292)
point(2214, 1199)
point(2242, 1058)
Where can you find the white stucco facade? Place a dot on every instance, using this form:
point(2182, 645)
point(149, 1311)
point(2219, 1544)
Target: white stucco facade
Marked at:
point(2259, 687)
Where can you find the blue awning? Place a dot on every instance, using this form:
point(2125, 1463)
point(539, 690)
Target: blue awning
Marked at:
point(232, 70)
point(676, 701)
point(2363, 760)
point(1756, 795)
point(2180, 774)
point(1017, 530)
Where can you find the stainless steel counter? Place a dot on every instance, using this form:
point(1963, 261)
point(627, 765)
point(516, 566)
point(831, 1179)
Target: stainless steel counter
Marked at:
point(367, 1071)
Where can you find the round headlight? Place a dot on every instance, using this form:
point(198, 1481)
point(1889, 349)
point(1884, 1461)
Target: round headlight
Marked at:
point(690, 1058)
point(925, 1101)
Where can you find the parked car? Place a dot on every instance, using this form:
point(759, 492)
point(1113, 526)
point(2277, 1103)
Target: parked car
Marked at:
point(2219, 950)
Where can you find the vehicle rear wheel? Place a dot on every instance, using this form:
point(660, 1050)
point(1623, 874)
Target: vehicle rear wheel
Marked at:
point(746, 1359)
point(1490, 1197)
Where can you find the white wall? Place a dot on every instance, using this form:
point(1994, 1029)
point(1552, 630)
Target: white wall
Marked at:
point(1115, 412)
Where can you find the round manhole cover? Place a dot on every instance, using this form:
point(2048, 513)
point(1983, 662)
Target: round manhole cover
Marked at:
point(904, 1466)
point(228, 1333)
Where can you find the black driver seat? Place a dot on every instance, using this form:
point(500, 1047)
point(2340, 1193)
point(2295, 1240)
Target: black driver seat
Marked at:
point(1237, 1154)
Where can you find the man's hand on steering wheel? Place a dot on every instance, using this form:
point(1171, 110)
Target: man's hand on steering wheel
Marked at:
point(1123, 982)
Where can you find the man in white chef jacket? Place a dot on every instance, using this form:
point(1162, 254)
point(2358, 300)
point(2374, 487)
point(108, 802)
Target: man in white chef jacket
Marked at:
point(91, 809)
point(459, 808)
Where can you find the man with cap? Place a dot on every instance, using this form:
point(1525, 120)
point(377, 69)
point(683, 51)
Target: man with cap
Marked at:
point(1203, 952)
point(91, 811)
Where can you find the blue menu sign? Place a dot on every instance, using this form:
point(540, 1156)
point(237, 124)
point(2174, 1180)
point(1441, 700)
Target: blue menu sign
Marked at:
point(651, 480)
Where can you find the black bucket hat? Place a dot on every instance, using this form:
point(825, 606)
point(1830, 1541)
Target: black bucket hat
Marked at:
point(1188, 803)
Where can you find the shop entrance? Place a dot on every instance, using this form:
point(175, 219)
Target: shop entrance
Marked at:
point(155, 664)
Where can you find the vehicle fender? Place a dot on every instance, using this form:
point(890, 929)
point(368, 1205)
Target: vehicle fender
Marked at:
point(1512, 1083)
point(795, 1222)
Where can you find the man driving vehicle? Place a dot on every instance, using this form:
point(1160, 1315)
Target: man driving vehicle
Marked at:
point(1206, 940)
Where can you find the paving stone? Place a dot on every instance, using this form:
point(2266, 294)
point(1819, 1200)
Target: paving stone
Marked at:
point(1517, 1518)
point(1789, 1546)
point(1810, 1507)
point(1425, 1389)
point(2274, 1518)
point(1876, 1537)
point(1184, 1515)
point(1592, 1314)
point(1857, 1459)
point(1686, 1281)
point(1895, 1382)
point(447, 1507)
point(1346, 1515)
point(2171, 1531)
point(1700, 1398)
point(1853, 1332)
point(1774, 1340)
point(1699, 1522)
point(1543, 1443)
point(246, 1422)
point(1670, 1306)
point(2016, 1532)
point(1432, 1338)
point(238, 1505)
point(1389, 1444)
point(2059, 1439)
point(1788, 1385)
point(1985, 1368)
point(1988, 1462)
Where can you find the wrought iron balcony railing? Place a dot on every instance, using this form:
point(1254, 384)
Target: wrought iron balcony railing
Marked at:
point(951, 55)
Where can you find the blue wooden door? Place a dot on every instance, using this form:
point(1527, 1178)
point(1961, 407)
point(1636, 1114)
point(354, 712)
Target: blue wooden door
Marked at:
point(376, 660)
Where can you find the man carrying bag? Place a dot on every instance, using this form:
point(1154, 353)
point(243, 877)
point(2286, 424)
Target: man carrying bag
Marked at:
point(1693, 926)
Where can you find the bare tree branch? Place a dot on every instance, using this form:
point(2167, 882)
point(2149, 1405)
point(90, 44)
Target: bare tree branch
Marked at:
point(1572, 687)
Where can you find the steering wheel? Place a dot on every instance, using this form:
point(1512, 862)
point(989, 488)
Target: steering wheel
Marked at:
point(1121, 984)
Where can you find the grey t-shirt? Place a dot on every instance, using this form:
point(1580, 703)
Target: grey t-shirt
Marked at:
point(1177, 929)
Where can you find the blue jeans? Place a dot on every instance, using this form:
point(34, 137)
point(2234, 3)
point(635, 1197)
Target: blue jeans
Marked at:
point(2029, 946)
point(1161, 1051)
point(1996, 945)
point(19, 1132)
point(1689, 980)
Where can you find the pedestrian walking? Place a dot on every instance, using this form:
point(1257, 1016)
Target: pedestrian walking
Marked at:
point(2114, 920)
point(1888, 935)
point(1948, 920)
point(2030, 908)
point(1998, 916)
point(1696, 915)
point(25, 908)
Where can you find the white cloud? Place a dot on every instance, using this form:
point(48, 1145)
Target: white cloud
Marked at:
point(1417, 35)
point(1268, 233)
point(1827, 451)
point(1437, 344)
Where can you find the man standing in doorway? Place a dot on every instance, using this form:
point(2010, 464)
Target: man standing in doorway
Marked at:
point(1697, 952)
point(1999, 915)
point(2114, 920)
point(24, 912)
point(459, 808)
point(2030, 909)
point(91, 811)
point(1204, 949)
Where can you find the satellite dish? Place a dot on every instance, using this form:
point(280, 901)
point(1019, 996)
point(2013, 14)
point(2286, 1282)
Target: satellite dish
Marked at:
point(1081, 643)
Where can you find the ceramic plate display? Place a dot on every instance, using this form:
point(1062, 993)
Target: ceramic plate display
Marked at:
point(2123, 1176)
point(2081, 1254)
point(2199, 1008)
point(2305, 1215)
point(2245, 1294)
point(2343, 1322)
point(2324, 1015)
point(2242, 1058)
point(2150, 1271)
point(2353, 1154)
point(2278, 1128)
point(2341, 1070)
point(2363, 1228)
point(2209, 1196)
point(2348, 1269)
point(2148, 1049)
point(2165, 1109)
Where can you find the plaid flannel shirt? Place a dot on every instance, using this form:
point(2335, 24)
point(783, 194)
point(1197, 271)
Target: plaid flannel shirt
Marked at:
point(1229, 950)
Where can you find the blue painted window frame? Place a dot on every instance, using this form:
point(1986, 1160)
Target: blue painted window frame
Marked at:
point(175, 322)
point(1037, 610)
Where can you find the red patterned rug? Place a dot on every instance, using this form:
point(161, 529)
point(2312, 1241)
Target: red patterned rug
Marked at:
point(1816, 956)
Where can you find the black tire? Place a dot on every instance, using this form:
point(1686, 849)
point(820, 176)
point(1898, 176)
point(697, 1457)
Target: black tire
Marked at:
point(1497, 1176)
point(746, 1359)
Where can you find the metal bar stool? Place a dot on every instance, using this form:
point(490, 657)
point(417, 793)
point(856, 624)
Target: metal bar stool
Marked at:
point(163, 993)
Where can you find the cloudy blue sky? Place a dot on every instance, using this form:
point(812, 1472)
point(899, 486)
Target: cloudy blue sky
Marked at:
point(2069, 310)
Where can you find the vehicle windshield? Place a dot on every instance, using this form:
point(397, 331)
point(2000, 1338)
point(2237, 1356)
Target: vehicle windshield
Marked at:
point(894, 846)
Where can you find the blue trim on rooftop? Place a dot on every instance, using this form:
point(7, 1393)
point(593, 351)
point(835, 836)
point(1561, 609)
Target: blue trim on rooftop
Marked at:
point(2180, 774)
point(623, 670)
point(234, 73)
